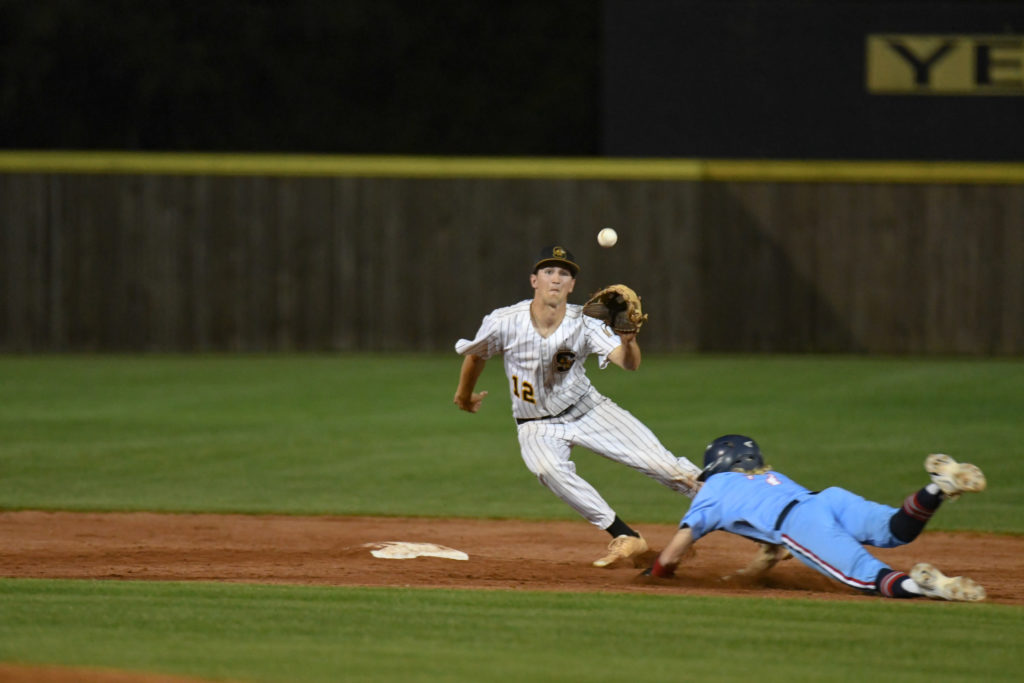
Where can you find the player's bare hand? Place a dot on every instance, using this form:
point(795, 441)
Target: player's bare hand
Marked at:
point(470, 404)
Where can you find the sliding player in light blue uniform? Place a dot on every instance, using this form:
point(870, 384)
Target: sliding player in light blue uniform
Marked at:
point(825, 530)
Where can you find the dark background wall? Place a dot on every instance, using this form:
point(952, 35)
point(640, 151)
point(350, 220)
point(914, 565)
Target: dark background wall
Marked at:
point(352, 76)
point(787, 79)
point(194, 261)
point(664, 78)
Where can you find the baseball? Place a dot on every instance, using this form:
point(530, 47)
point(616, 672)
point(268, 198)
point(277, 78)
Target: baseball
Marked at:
point(607, 237)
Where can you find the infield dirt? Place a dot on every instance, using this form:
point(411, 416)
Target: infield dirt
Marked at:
point(503, 555)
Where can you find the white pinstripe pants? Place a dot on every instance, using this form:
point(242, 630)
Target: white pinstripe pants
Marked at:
point(599, 424)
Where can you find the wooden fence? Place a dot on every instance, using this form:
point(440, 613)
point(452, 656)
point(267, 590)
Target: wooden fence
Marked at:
point(223, 261)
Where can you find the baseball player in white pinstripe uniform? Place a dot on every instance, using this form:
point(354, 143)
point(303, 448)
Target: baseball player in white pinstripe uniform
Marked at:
point(544, 342)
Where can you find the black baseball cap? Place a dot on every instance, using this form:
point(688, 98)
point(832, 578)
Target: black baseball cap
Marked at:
point(556, 255)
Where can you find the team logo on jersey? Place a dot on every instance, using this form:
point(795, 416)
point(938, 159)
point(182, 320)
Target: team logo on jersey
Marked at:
point(564, 360)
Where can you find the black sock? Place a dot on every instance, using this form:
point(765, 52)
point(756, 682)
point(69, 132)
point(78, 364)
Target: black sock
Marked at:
point(917, 509)
point(620, 528)
point(890, 584)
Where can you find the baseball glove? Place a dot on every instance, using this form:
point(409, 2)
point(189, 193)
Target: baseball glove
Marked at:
point(618, 307)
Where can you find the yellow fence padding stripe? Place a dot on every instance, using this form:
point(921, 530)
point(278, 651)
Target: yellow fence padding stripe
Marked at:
point(174, 163)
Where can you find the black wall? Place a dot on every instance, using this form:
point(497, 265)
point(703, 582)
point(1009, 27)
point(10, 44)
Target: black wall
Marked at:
point(661, 78)
point(786, 79)
point(330, 76)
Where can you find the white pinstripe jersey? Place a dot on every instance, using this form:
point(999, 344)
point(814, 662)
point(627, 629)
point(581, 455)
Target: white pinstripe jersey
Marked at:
point(545, 375)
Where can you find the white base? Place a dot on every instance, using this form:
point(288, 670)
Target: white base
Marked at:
point(402, 550)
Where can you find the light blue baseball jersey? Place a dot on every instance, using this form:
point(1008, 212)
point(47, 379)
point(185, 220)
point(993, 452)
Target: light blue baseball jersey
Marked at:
point(826, 531)
point(744, 504)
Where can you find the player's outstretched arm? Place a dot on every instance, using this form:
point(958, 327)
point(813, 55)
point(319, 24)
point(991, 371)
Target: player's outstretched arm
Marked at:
point(666, 563)
point(627, 355)
point(465, 398)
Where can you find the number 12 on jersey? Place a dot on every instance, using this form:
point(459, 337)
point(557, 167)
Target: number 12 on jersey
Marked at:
point(527, 391)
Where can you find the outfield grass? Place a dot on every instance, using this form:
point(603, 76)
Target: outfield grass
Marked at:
point(377, 434)
point(273, 633)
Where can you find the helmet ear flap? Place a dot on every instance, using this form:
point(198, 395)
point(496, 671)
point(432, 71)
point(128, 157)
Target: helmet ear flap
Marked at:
point(713, 468)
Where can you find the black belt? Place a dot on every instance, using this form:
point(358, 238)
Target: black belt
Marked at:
point(786, 510)
point(521, 420)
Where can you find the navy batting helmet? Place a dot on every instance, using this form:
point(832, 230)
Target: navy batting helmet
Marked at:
point(729, 452)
